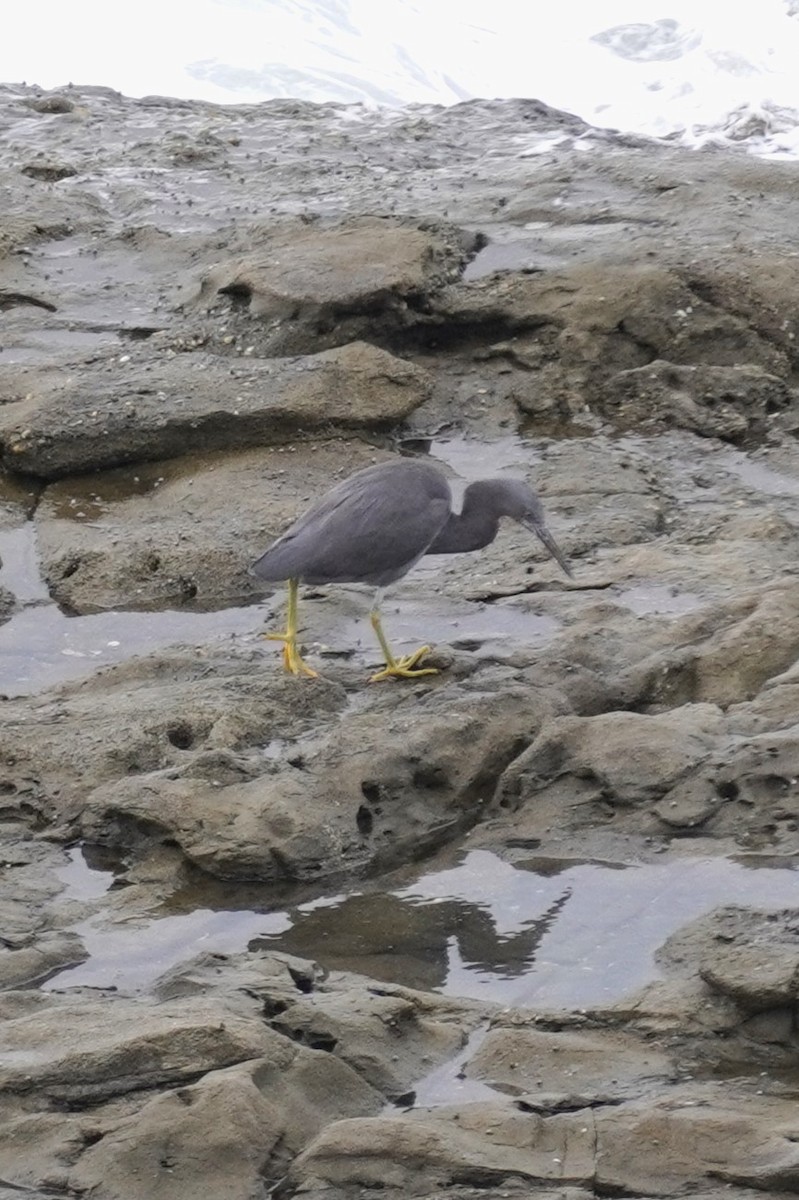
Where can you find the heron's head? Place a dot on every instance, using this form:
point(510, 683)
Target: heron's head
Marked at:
point(523, 505)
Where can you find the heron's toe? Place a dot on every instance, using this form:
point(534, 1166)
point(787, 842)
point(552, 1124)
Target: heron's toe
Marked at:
point(293, 661)
point(405, 667)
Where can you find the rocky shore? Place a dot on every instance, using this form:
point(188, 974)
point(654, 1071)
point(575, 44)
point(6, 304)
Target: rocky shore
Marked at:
point(234, 959)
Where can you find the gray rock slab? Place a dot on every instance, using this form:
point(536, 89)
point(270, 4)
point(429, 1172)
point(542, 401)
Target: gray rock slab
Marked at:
point(728, 402)
point(225, 1134)
point(660, 1147)
point(620, 760)
point(46, 955)
point(485, 1142)
point(389, 1034)
point(750, 957)
point(136, 408)
point(114, 1048)
point(547, 1067)
point(144, 714)
point(311, 287)
point(368, 790)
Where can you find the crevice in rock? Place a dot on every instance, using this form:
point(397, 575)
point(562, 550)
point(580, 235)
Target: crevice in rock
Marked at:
point(138, 333)
point(131, 833)
point(14, 299)
point(91, 1137)
point(648, 348)
point(615, 1191)
point(446, 334)
point(313, 1039)
point(302, 980)
point(430, 777)
point(567, 1104)
point(97, 1094)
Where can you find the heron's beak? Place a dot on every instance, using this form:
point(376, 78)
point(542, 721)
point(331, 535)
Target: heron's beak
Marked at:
point(552, 546)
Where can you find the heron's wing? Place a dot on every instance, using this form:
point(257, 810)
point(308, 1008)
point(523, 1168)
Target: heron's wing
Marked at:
point(369, 529)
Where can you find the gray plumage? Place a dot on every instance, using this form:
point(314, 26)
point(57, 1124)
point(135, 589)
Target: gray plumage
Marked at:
point(373, 527)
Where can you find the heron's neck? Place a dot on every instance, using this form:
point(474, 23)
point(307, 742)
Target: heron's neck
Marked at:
point(472, 528)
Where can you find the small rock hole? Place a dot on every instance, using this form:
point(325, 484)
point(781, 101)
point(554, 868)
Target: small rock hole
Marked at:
point(364, 820)
point(428, 776)
point(273, 1008)
point(181, 736)
point(188, 588)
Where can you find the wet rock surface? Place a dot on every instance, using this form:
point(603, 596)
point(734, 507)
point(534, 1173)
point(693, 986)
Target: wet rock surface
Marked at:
point(524, 927)
point(69, 424)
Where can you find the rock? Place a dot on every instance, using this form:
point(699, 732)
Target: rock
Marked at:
point(115, 1048)
point(310, 288)
point(36, 1149)
point(728, 652)
point(145, 715)
point(761, 297)
point(482, 1145)
point(368, 1031)
point(729, 402)
point(690, 804)
point(275, 978)
point(145, 410)
point(752, 957)
point(545, 1068)
point(692, 1136)
point(645, 1147)
point(748, 792)
point(240, 1123)
point(616, 763)
point(53, 102)
point(599, 329)
point(226, 1133)
point(220, 1135)
point(8, 605)
point(31, 965)
point(389, 1035)
point(607, 495)
point(374, 787)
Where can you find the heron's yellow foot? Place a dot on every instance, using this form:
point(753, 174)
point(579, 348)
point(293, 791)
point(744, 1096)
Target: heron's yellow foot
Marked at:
point(405, 667)
point(292, 659)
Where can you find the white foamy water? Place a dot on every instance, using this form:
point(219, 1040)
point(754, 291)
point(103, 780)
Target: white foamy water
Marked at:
point(696, 68)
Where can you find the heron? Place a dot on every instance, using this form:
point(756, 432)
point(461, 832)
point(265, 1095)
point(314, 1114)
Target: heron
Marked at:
point(375, 526)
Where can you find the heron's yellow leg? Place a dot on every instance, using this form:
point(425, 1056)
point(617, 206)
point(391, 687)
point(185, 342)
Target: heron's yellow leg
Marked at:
point(292, 659)
point(400, 668)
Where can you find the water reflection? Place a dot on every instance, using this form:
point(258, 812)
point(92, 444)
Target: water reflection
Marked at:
point(407, 940)
point(547, 934)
